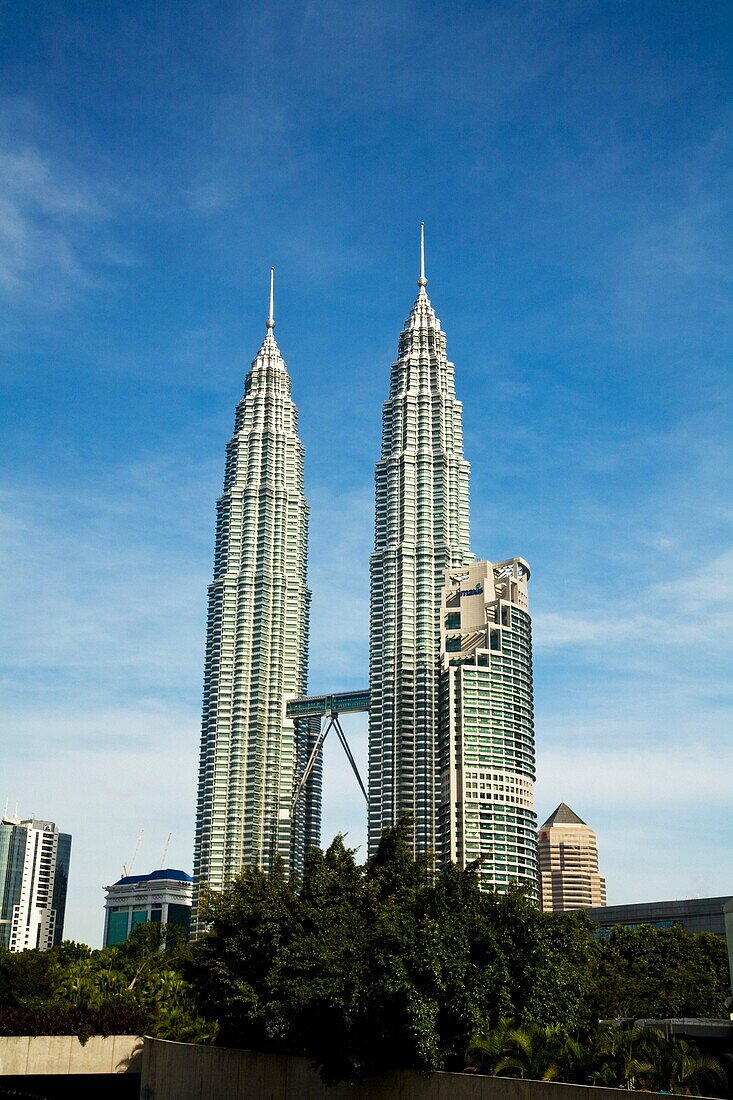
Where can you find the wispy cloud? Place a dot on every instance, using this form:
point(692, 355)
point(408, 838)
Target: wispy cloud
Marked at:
point(115, 771)
point(102, 656)
point(696, 608)
point(659, 798)
point(92, 584)
point(54, 217)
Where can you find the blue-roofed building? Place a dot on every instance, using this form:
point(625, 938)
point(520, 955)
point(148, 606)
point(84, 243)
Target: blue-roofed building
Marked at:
point(162, 897)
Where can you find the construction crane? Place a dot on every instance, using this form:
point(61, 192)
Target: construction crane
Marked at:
point(165, 850)
point(136, 849)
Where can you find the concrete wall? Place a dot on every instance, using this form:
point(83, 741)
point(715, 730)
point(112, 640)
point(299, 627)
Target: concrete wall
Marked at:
point(52, 1054)
point(178, 1071)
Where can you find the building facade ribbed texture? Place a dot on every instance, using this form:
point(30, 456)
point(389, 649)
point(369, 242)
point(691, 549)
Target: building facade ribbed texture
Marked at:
point(487, 756)
point(257, 643)
point(421, 529)
point(567, 854)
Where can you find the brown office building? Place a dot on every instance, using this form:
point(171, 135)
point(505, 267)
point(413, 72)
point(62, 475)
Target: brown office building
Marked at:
point(567, 856)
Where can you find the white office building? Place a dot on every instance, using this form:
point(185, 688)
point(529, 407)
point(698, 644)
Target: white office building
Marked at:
point(161, 897)
point(34, 875)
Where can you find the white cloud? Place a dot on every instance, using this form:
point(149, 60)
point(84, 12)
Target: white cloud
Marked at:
point(92, 584)
point(135, 767)
point(696, 608)
point(103, 650)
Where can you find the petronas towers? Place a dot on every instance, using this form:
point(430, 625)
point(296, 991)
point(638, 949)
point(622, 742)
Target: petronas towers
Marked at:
point(257, 635)
point(253, 804)
point(421, 529)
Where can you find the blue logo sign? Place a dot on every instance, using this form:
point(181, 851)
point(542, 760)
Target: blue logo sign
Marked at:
point(472, 591)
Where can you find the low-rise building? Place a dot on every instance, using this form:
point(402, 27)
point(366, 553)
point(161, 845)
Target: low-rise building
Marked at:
point(162, 897)
point(692, 914)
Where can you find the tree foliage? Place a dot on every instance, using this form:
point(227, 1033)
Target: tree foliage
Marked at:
point(626, 1057)
point(138, 986)
point(655, 973)
point(362, 968)
point(366, 968)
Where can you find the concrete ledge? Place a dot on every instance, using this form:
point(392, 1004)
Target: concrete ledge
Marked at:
point(59, 1054)
point(182, 1071)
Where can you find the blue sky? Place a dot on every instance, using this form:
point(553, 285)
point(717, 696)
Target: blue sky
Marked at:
point(573, 164)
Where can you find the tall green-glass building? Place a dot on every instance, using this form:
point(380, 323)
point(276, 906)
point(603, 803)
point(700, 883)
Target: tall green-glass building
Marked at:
point(486, 751)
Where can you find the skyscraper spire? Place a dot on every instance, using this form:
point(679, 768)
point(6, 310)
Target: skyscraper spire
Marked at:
point(422, 281)
point(271, 314)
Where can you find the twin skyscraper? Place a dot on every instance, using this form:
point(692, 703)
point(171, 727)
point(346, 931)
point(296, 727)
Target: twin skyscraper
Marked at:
point(451, 733)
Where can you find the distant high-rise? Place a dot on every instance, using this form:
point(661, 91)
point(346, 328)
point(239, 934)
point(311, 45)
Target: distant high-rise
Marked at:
point(161, 897)
point(34, 876)
point(568, 864)
point(257, 641)
point(421, 530)
point(487, 760)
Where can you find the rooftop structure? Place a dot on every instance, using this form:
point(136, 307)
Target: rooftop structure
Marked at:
point(692, 914)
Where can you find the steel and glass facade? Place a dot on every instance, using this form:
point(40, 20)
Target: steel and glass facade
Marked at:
point(451, 727)
point(257, 642)
point(487, 757)
point(421, 529)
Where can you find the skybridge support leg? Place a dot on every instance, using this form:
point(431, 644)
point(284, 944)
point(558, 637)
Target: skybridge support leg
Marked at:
point(331, 721)
point(325, 727)
point(349, 755)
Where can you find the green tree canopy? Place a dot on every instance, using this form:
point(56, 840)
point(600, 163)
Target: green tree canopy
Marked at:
point(363, 968)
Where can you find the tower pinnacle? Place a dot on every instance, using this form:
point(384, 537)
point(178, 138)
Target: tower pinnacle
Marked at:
point(271, 315)
point(422, 281)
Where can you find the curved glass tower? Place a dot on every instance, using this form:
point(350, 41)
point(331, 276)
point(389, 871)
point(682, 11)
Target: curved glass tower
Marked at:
point(421, 529)
point(257, 641)
point(487, 758)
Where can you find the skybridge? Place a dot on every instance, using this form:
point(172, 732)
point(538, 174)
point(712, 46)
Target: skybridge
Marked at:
point(329, 707)
point(321, 706)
